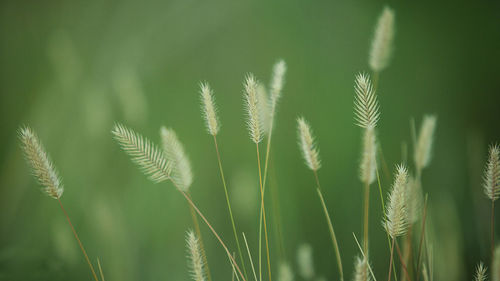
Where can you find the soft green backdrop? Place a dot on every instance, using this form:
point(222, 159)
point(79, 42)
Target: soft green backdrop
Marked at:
point(70, 69)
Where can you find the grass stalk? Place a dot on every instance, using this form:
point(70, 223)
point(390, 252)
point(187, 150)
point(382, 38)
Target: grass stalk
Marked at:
point(263, 211)
point(249, 256)
point(200, 239)
point(403, 263)
point(390, 261)
point(383, 212)
point(78, 240)
point(422, 235)
point(330, 227)
point(191, 203)
point(366, 217)
point(229, 206)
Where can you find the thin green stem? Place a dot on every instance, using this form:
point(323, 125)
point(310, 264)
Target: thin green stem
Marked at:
point(214, 232)
point(366, 216)
point(78, 240)
point(229, 206)
point(403, 264)
point(383, 213)
point(330, 227)
point(100, 269)
point(492, 231)
point(390, 262)
point(263, 209)
point(422, 236)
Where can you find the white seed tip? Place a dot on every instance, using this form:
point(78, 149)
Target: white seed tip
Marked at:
point(423, 148)
point(361, 270)
point(396, 217)
point(480, 272)
point(305, 261)
point(380, 53)
point(144, 153)
point(209, 109)
point(277, 81)
point(41, 166)
point(252, 107)
point(182, 175)
point(195, 257)
point(492, 173)
point(366, 108)
point(307, 144)
point(368, 165)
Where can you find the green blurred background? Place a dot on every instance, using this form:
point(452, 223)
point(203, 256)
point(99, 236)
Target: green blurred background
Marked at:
point(70, 69)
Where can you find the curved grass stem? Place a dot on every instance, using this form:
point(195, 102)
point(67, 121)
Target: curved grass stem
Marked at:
point(78, 240)
point(229, 207)
point(263, 211)
point(330, 227)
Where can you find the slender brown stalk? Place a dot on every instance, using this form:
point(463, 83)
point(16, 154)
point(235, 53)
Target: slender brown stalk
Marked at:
point(403, 264)
point(214, 232)
point(78, 240)
point(330, 227)
point(229, 206)
point(390, 262)
point(200, 239)
point(263, 212)
point(424, 217)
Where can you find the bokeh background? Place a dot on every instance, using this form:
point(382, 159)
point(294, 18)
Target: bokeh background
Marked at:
point(71, 69)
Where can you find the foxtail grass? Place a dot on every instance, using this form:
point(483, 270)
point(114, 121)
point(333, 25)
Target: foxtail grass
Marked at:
point(128, 140)
point(310, 154)
point(492, 186)
point(396, 216)
point(255, 127)
point(47, 176)
point(209, 110)
point(367, 114)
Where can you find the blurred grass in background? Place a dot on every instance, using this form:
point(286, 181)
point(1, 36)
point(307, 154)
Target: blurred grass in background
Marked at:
point(70, 69)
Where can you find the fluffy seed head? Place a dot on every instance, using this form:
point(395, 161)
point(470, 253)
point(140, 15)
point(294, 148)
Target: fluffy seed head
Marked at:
point(285, 272)
point(209, 109)
point(182, 175)
point(307, 145)
point(368, 164)
point(361, 270)
point(423, 149)
point(195, 257)
point(264, 108)
point(252, 108)
point(144, 153)
point(277, 81)
point(381, 49)
point(41, 166)
point(305, 261)
point(492, 174)
point(480, 272)
point(414, 198)
point(396, 217)
point(366, 108)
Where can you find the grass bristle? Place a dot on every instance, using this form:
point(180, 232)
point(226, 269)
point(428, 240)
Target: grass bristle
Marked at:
point(195, 257)
point(396, 221)
point(366, 106)
point(41, 166)
point(423, 149)
point(307, 145)
point(252, 109)
point(150, 159)
point(480, 272)
point(381, 48)
point(209, 109)
point(181, 175)
point(492, 173)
